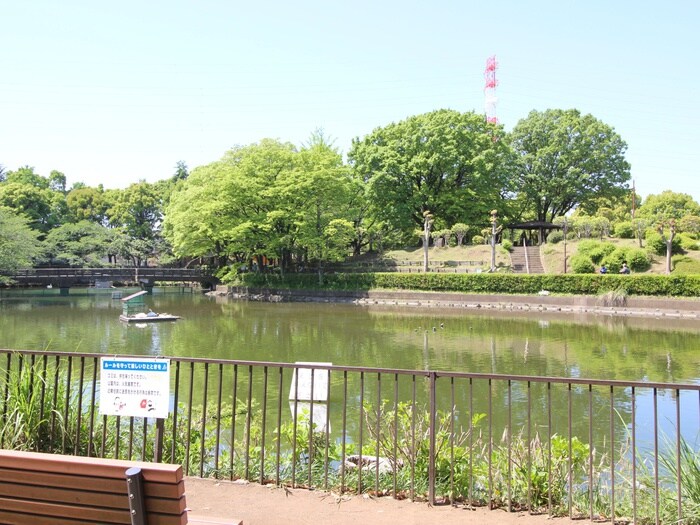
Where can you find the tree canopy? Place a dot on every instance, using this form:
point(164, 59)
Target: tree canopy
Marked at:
point(19, 245)
point(565, 160)
point(453, 164)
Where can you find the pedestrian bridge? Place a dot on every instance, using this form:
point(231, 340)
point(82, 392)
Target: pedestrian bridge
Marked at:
point(146, 277)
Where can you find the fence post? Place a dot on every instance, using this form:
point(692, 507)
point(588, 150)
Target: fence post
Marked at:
point(432, 420)
point(160, 430)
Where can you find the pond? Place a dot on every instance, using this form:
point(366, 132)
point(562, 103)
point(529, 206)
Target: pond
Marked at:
point(543, 344)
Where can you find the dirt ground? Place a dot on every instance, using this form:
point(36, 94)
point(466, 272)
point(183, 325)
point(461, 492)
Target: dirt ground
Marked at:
point(262, 505)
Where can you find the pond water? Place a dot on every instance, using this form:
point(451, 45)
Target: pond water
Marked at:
point(544, 344)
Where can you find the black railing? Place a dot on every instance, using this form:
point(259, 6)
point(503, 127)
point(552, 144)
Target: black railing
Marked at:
point(56, 276)
point(585, 448)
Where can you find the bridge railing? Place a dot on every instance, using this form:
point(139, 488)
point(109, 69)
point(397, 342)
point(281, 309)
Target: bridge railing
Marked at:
point(43, 275)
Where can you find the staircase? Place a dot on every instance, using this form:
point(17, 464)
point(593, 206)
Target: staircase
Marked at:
point(520, 263)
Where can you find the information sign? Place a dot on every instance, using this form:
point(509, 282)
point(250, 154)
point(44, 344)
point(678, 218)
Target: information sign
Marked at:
point(132, 386)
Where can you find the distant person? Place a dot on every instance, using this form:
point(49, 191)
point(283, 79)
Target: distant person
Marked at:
point(625, 269)
point(603, 269)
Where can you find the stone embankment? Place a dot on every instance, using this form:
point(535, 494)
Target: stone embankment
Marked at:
point(628, 306)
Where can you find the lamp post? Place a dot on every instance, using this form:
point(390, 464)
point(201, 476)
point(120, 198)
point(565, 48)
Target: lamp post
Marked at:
point(565, 230)
point(494, 225)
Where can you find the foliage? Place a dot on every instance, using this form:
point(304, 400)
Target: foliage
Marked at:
point(567, 160)
point(555, 236)
point(82, 244)
point(657, 245)
point(638, 260)
point(688, 243)
point(592, 284)
point(581, 263)
point(137, 210)
point(19, 245)
point(25, 423)
point(668, 205)
point(507, 245)
point(596, 250)
point(624, 230)
point(460, 231)
point(454, 164)
point(87, 204)
point(689, 224)
point(478, 239)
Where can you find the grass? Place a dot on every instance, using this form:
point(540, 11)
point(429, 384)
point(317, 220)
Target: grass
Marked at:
point(552, 256)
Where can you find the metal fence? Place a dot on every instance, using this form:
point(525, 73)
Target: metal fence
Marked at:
point(597, 449)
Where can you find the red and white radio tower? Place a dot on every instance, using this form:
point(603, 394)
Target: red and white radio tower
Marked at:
point(490, 83)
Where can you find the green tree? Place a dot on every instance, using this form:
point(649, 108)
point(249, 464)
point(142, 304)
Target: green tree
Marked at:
point(460, 230)
point(57, 182)
point(19, 245)
point(137, 210)
point(230, 209)
point(81, 244)
point(26, 175)
point(87, 204)
point(32, 202)
point(316, 196)
point(453, 164)
point(668, 205)
point(567, 160)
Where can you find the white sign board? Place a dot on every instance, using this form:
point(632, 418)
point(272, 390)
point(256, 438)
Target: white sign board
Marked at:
point(304, 375)
point(133, 386)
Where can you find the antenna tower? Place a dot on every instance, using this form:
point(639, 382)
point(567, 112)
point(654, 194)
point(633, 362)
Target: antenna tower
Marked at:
point(490, 83)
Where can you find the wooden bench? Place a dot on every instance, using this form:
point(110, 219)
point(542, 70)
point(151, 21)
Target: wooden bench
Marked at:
point(53, 489)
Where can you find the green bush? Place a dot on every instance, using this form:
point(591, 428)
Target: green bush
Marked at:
point(555, 237)
point(624, 230)
point(499, 283)
point(478, 239)
point(638, 259)
point(614, 260)
point(507, 245)
point(582, 264)
point(595, 250)
point(688, 243)
point(587, 245)
point(656, 244)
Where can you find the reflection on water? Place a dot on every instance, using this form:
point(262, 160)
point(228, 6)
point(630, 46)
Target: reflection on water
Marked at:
point(502, 342)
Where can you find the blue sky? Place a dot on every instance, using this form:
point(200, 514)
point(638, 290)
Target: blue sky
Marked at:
point(116, 92)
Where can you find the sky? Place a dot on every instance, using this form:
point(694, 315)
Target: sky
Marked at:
point(116, 92)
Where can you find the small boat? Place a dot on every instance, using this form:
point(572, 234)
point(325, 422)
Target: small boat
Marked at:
point(148, 318)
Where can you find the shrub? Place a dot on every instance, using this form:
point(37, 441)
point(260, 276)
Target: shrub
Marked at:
point(596, 250)
point(507, 245)
point(688, 243)
point(656, 244)
point(625, 230)
point(638, 260)
point(582, 264)
point(614, 260)
point(555, 237)
point(587, 245)
point(478, 239)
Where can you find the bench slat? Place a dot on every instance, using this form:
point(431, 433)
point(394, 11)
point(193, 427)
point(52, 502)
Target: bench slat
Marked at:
point(99, 467)
point(110, 485)
point(39, 508)
point(13, 518)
